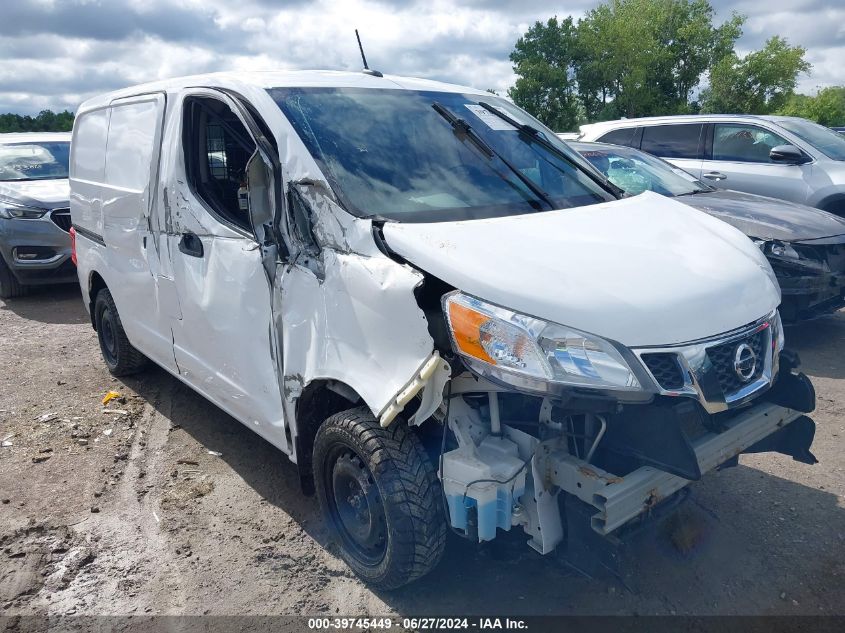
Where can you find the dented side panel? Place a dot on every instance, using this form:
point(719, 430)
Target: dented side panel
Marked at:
point(222, 343)
point(360, 325)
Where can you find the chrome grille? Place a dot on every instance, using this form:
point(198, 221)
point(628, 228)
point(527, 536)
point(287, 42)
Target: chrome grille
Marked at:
point(722, 357)
point(666, 370)
point(706, 369)
point(61, 218)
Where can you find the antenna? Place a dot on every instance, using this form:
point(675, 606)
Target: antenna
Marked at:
point(361, 48)
point(367, 69)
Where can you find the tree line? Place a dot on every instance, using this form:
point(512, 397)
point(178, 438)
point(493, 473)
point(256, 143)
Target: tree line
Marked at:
point(45, 121)
point(632, 58)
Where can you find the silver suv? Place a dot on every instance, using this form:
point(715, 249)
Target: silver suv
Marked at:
point(782, 157)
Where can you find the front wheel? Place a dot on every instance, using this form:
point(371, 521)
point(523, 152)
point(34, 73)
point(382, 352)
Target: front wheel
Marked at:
point(10, 287)
point(379, 492)
point(121, 358)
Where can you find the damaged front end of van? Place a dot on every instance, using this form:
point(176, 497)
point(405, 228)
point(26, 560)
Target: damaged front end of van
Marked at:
point(478, 350)
point(535, 424)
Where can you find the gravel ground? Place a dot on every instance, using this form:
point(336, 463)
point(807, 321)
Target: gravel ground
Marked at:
point(160, 503)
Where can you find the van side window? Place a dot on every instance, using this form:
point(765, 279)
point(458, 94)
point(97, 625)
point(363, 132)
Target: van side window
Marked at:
point(623, 136)
point(89, 146)
point(672, 141)
point(744, 143)
point(217, 148)
point(132, 130)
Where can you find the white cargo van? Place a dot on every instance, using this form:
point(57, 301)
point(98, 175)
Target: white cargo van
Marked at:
point(433, 306)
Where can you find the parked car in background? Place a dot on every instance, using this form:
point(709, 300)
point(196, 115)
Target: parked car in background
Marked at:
point(442, 314)
point(840, 130)
point(782, 157)
point(804, 245)
point(34, 212)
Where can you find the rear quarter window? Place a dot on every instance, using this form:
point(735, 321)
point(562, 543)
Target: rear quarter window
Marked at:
point(88, 149)
point(623, 136)
point(672, 141)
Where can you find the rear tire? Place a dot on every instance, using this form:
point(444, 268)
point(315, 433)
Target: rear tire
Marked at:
point(121, 358)
point(379, 493)
point(10, 287)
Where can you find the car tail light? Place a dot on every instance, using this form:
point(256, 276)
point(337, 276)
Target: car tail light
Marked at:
point(73, 245)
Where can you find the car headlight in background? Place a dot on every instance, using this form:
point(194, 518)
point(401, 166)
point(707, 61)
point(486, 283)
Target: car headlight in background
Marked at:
point(11, 211)
point(788, 254)
point(532, 353)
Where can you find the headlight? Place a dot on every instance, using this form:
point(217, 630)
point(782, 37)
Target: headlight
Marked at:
point(787, 253)
point(11, 210)
point(531, 353)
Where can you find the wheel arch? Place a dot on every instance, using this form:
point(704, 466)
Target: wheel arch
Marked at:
point(833, 203)
point(95, 284)
point(319, 399)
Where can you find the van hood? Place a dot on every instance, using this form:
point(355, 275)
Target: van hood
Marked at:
point(767, 218)
point(642, 271)
point(46, 194)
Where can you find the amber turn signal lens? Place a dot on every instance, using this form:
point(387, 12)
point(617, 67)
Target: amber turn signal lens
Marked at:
point(466, 328)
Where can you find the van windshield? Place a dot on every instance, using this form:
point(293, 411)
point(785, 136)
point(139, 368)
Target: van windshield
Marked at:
point(406, 155)
point(34, 161)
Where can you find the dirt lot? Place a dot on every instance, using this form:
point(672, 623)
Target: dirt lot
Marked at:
point(134, 511)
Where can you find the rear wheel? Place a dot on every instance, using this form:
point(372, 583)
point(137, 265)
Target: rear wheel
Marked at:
point(378, 491)
point(10, 287)
point(121, 358)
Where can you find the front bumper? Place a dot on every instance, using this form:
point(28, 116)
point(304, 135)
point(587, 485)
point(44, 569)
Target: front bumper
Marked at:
point(37, 251)
point(618, 500)
point(808, 293)
point(774, 423)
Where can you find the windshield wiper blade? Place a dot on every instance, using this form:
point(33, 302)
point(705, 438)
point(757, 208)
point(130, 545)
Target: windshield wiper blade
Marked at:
point(462, 128)
point(464, 131)
point(693, 192)
point(536, 137)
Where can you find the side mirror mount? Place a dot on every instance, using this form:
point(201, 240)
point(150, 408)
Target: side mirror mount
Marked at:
point(787, 154)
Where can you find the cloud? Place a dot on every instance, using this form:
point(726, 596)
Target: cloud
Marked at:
point(104, 20)
point(817, 25)
point(56, 53)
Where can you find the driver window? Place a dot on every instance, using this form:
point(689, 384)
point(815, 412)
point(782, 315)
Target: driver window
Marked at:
point(744, 143)
point(217, 148)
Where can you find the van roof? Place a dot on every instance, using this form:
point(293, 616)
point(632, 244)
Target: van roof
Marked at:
point(281, 79)
point(34, 137)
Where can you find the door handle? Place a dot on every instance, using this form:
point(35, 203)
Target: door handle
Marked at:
point(715, 175)
point(191, 244)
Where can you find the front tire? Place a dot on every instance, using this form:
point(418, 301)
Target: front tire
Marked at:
point(121, 358)
point(379, 493)
point(10, 287)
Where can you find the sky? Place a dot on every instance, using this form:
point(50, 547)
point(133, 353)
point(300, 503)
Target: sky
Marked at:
point(56, 53)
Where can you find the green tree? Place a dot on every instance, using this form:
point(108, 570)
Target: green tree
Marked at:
point(759, 83)
point(46, 121)
point(645, 57)
point(545, 87)
point(826, 108)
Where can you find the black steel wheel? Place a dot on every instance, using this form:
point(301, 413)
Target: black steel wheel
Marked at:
point(379, 493)
point(121, 358)
point(356, 506)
